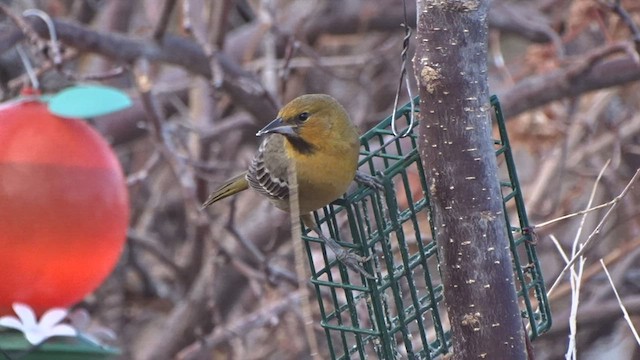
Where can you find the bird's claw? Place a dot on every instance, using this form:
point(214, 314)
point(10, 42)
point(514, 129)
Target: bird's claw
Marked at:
point(369, 181)
point(353, 261)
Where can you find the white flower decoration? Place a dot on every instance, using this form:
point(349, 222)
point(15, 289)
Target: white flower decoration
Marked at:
point(37, 332)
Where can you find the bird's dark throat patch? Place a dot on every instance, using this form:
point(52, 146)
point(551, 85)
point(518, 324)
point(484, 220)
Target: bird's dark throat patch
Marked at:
point(300, 145)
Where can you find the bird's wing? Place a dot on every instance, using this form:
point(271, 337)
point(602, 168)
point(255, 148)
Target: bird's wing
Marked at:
point(268, 171)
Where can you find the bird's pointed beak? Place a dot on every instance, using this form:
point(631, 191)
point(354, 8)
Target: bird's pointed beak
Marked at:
point(278, 126)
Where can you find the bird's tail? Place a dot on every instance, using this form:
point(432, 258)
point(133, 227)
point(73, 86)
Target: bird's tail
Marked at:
point(231, 187)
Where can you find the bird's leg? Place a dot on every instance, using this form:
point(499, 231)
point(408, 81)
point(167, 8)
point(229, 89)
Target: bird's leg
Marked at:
point(349, 259)
point(367, 180)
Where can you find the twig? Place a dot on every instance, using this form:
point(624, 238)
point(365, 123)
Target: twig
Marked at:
point(246, 269)
point(22, 24)
point(269, 46)
point(576, 284)
point(209, 43)
point(262, 317)
point(495, 50)
point(555, 242)
point(617, 8)
point(248, 245)
point(613, 257)
point(261, 275)
point(142, 173)
point(629, 129)
point(187, 27)
point(321, 63)
point(577, 213)
point(576, 276)
point(521, 18)
point(599, 315)
point(622, 307)
point(152, 246)
point(596, 56)
point(318, 62)
point(184, 316)
point(144, 85)
point(595, 232)
point(221, 129)
point(576, 240)
point(285, 67)
point(106, 75)
point(298, 250)
point(163, 22)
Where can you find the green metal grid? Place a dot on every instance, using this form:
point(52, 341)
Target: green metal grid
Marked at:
point(402, 313)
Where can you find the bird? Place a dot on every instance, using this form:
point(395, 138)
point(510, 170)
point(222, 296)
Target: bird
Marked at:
point(315, 133)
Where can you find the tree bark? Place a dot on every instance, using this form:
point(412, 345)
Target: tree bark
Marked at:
point(458, 156)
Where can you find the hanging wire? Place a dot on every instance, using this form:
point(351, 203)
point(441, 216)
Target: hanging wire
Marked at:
point(55, 48)
point(28, 67)
point(403, 73)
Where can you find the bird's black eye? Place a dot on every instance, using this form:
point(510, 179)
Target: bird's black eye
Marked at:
point(303, 116)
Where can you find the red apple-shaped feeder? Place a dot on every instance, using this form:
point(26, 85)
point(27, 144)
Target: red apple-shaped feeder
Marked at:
point(63, 208)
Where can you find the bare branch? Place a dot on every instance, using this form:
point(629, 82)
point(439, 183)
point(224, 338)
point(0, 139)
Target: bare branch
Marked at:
point(238, 83)
point(539, 90)
point(595, 232)
point(622, 307)
point(617, 8)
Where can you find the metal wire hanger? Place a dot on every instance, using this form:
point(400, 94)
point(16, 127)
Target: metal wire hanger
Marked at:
point(403, 73)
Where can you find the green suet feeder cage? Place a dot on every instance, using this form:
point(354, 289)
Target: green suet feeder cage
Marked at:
point(401, 314)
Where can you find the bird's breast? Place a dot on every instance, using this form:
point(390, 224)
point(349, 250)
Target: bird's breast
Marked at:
point(324, 177)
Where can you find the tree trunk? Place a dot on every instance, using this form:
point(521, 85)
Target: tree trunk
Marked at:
point(458, 157)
